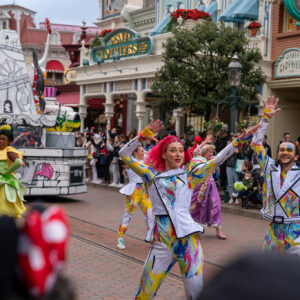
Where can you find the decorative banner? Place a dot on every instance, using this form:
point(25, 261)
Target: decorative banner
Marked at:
point(124, 43)
point(293, 8)
point(288, 64)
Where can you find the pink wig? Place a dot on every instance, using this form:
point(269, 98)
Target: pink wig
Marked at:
point(154, 156)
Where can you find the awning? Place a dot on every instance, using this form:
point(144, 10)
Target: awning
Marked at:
point(96, 103)
point(70, 99)
point(202, 6)
point(240, 10)
point(226, 15)
point(213, 10)
point(248, 10)
point(54, 66)
point(161, 25)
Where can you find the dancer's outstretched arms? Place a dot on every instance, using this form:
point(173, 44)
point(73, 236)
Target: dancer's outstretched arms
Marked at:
point(257, 143)
point(143, 170)
point(198, 171)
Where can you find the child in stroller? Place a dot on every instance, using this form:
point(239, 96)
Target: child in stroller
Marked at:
point(250, 186)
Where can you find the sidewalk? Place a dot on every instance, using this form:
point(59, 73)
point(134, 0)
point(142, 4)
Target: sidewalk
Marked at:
point(226, 208)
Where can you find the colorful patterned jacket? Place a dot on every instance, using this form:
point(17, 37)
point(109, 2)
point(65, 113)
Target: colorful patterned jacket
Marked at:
point(170, 192)
point(279, 202)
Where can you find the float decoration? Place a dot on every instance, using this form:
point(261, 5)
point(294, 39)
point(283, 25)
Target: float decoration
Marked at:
point(52, 164)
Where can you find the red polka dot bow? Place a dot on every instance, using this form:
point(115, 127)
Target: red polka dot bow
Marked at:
point(42, 249)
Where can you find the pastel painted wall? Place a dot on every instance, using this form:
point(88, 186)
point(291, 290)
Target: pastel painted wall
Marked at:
point(287, 120)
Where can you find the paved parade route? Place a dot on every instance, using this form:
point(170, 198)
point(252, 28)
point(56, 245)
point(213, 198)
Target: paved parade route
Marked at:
point(101, 271)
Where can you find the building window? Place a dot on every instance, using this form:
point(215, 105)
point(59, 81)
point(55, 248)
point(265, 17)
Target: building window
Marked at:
point(54, 78)
point(4, 25)
point(55, 38)
point(287, 21)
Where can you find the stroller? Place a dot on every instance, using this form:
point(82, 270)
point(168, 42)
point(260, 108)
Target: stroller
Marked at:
point(253, 197)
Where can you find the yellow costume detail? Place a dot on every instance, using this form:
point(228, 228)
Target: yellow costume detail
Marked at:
point(11, 190)
point(139, 197)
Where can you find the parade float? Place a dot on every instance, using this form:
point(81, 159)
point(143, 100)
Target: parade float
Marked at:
point(43, 129)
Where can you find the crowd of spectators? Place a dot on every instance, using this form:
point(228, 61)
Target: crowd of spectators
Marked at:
point(103, 164)
point(241, 170)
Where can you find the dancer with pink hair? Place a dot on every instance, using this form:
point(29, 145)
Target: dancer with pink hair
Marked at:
point(173, 233)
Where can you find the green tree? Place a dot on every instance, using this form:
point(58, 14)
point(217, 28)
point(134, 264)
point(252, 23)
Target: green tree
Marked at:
point(194, 74)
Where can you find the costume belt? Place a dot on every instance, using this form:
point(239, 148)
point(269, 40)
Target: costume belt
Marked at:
point(279, 219)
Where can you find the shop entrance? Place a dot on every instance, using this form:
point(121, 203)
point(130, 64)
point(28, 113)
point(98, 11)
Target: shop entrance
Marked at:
point(95, 114)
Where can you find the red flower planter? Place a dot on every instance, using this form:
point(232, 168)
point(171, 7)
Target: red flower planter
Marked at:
point(193, 14)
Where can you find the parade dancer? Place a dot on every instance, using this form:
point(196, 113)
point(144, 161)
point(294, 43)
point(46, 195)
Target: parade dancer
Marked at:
point(174, 234)
point(206, 204)
point(281, 191)
point(11, 190)
point(136, 194)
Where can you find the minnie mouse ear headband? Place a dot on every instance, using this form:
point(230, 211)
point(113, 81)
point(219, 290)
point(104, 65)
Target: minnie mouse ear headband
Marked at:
point(41, 251)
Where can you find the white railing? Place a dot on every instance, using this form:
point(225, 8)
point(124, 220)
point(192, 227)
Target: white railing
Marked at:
point(258, 42)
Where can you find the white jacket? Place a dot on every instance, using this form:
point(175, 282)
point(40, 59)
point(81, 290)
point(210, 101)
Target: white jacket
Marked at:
point(171, 191)
point(129, 188)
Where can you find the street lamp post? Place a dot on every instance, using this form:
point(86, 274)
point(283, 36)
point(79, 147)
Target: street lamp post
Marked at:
point(234, 78)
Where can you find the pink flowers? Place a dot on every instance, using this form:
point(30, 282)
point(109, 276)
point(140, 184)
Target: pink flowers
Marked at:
point(193, 14)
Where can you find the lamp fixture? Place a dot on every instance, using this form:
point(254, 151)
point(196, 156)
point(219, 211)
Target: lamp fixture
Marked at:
point(234, 71)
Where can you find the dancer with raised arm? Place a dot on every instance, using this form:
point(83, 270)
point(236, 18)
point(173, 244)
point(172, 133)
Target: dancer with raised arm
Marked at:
point(136, 194)
point(206, 204)
point(174, 234)
point(281, 192)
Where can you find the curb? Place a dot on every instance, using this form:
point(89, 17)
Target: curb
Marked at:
point(102, 186)
point(226, 208)
point(238, 210)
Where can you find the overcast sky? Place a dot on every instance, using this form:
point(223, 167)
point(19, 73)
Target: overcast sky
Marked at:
point(61, 11)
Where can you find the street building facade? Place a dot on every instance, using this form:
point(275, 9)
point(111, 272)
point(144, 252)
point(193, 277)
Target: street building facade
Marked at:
point(285, 80)
point(121, 79)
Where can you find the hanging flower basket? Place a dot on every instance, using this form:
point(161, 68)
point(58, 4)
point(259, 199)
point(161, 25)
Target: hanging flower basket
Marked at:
point(253, 31)
point(253, 28)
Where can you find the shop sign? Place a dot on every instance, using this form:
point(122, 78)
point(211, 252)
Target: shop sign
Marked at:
point(123, 43)
point(288, 64)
